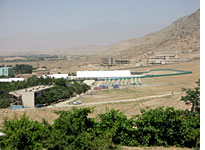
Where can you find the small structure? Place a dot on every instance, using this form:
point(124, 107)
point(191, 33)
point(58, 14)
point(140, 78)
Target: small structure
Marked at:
point(104, 86)
point(17, 106)
point(6, 71)
point(115, 85)
point(40, 72)
point(26, 97)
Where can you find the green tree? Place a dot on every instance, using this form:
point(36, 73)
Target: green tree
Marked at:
point(74, 130)
point(121, 128)
point(23, 134)
point(60, 82)
point(4, 103)
point(158, 127)
point(23, 69)
point(165, 127)
point(193, 97)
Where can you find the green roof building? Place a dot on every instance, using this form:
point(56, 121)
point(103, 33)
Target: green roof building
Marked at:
point(6, 71)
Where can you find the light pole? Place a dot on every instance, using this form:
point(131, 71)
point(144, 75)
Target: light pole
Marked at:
point(1, 137)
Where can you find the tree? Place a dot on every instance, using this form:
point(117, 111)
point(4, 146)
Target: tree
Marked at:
point(120, 128)
point(193, 97)
point(24, 134)
point(158, 126)
point(60, 82)
point(75, 130)
point(23, 68)
point(4, 103)
point(167, 126)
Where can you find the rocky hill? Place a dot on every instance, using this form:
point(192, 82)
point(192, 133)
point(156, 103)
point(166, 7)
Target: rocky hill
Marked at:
point(181, 37)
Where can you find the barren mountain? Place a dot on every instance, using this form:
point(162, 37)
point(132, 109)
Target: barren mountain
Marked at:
point(181, 37)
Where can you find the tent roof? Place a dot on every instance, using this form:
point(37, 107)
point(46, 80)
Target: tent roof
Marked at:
point(105, 74)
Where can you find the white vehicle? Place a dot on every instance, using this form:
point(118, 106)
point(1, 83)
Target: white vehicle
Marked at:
point(77, 103)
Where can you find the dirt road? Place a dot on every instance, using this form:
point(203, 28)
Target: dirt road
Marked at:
point(115, 101)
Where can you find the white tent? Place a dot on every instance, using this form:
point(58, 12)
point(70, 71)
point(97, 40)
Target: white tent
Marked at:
point(104, 74)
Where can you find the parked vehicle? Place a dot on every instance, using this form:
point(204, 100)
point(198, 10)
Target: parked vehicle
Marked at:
point(77, 103)
point(39, 105)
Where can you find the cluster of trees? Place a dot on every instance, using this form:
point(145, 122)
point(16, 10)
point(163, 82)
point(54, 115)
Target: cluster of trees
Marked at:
point(63, 89)
point(75, 130)
point(23, 69)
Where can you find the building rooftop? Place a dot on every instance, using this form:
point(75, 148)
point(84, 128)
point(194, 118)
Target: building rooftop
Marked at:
point(33, 89)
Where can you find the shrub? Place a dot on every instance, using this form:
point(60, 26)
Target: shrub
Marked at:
point(4, 103)
point(24, 134)
point(121, 128)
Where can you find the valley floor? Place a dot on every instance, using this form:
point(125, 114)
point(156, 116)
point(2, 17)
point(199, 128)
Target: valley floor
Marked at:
point(150, 87)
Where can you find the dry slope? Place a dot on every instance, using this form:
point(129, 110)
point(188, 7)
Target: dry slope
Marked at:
point(181, 36)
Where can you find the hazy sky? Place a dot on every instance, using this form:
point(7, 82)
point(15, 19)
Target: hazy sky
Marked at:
point(50, 24)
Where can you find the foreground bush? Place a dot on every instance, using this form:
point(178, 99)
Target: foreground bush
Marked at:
point(23, 134)
point(74, 130)
point(166, 127)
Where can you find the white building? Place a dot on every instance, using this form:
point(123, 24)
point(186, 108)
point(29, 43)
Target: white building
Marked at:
point(57, 76)
point(27, 96)
point(11, 79)
point(164, 59)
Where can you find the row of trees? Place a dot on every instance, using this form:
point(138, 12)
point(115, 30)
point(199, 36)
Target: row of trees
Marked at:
point(63, 89)
point(75, 130)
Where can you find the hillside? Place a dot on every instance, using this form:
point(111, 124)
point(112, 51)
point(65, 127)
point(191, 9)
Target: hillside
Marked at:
point(182, 36)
